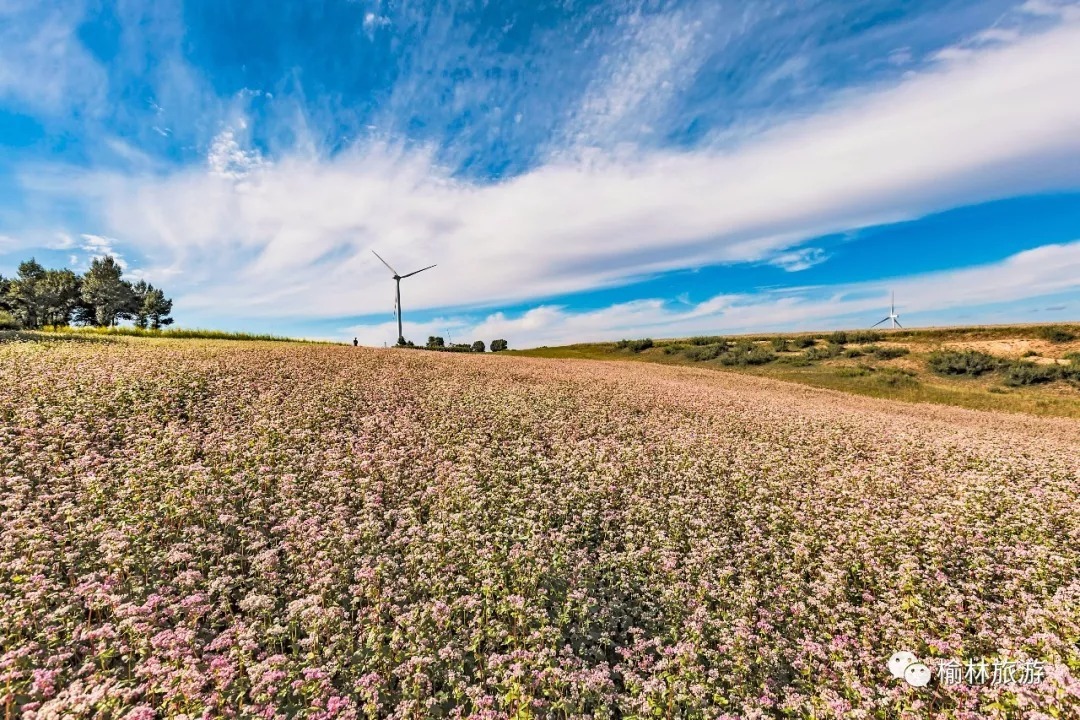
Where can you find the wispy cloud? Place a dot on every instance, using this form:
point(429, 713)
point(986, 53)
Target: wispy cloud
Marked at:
point(657, 56)
point(1001, 124)
point(269, 212)
point(42, 64)
point(801, 259)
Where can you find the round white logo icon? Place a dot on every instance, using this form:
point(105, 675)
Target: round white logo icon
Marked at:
point(917, 674)
point(899, 662)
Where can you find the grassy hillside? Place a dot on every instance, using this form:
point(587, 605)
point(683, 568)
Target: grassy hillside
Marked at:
point(1017, 368)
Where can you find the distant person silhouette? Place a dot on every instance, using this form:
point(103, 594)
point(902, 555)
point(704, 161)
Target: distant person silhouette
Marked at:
point(354, 342)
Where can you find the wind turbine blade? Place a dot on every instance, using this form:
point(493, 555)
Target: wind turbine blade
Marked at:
point(898, 324)
point(384, 262)
point(417, 271)
point(878, 323)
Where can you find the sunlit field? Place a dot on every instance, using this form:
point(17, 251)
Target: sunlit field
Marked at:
point(208, 529)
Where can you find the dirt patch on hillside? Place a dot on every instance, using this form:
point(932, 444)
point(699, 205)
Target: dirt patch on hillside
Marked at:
point(1014, 348)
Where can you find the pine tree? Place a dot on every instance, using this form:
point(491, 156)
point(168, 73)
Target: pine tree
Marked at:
point(156, 308)
point(5, 287)
point(139, 290)
point(106, 292)
point(58, 294)
point(24, 294)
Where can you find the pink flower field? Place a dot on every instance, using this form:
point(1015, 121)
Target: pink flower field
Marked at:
point(212, 529)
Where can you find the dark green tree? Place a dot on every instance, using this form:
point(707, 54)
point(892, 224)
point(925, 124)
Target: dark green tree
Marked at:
point(140, 291)
point(104, 289)
point(155, 308)
point(24, 294)
point(497, 345)
point(478, 346)
point(434, 341)
point(5, 287)
point(58, 295)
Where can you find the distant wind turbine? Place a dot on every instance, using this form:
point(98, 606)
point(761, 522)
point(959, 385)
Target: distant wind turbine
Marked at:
point(397, 297)
point(892, 317)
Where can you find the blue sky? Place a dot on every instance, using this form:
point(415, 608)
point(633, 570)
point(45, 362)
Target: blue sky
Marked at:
point(578, 170)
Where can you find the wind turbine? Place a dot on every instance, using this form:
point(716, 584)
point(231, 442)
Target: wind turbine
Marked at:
point(892, 318)
point(397, 298)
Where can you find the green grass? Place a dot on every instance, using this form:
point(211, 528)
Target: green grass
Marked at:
point(973, 394)
point(900, 370)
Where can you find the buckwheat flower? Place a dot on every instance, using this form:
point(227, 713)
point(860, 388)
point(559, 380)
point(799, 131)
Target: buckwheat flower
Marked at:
point(45, 682)
point(140, 712)
point(256, 603)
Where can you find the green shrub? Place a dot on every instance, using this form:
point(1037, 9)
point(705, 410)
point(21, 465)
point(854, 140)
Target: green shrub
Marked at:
point(8, 321)
point(1026, 373)
point(864, 336)
point(704, 352)
point(1029, 353)
point(804, 341)
point(963, 362)
point(853, 353)
point(779, 344)
point(895, 377)
point(707, 340)
point(634, 345)
point(744, 345)
point(1073, 358)
point(1055, 334)
point(674, 349)
point(822, 353)
point(890, 353)
point(760, 356)
point(746, 352)
point(794, 360)
point(839, 337)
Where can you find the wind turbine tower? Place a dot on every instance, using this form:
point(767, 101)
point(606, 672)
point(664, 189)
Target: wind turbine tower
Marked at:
point(398, 277)
point(892, 318)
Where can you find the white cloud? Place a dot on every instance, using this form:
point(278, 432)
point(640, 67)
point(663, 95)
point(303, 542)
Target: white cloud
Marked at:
point(901, 56)
point(99, 246)
point(373, 21)
point(658, 55)
point(801, 259)
point(61, 241)
point(42, 63)
point(996, 35)
point(1052, 8)
point(227, 159)
point(1033, 274)
point(294, 238)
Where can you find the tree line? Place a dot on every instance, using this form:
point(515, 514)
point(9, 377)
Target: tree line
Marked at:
point(37, 297)
point(436, 342)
